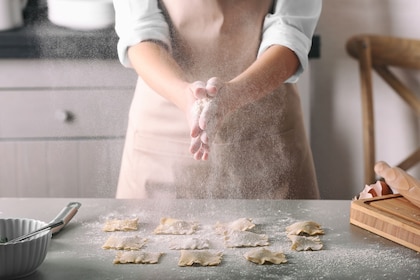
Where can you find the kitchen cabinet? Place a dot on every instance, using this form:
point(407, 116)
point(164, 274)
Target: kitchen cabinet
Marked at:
point(62, 126)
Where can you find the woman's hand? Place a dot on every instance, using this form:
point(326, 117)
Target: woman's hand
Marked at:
point(196, 92)
point(205, 117)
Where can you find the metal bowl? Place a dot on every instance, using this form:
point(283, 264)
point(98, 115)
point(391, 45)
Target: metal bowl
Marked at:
point(24, 257)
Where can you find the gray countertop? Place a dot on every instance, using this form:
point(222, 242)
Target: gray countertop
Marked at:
point(349, 252)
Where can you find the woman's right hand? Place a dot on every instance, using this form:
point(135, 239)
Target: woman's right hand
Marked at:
point(195, 93)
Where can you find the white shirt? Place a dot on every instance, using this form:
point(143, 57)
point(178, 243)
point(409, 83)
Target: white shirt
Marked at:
point(291, 24)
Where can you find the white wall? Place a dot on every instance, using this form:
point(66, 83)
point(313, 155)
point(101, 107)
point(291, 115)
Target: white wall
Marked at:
point(336, 122)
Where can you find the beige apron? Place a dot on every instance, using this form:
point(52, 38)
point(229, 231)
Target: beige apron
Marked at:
point(260, 152)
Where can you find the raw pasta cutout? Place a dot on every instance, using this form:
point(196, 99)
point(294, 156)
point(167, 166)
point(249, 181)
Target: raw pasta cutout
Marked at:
point(305, 227)
point(245, 239)
point(262, 255)
point(124, 242)
point(174, 226)
point(190, 244)
point(121, 225)
point(202, 257)
point(241, 224)
point(137, 257)
point(305, 243)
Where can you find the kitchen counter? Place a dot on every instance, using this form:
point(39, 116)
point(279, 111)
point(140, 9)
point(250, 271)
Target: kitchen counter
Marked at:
point(349, 252)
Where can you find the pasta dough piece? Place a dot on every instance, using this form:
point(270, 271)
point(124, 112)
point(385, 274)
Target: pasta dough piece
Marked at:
point(262, 255)
point(241, 224)
point(202, 257)
point(137, 257)
point(124, 242)
point(305, 243)
point(305, 227)
point(237, 238)
point(121, 225)
point(174, 226)
point(190, 244)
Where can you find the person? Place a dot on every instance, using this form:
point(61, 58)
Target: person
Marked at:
point(216, 112)
point(400, 181)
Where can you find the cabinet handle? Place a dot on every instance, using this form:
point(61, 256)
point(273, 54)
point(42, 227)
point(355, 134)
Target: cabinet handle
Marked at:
point(64, 116)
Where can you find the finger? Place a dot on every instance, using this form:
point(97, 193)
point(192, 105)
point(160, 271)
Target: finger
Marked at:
point(205, 156)
point(198, 89)
point(195, 130)
point(213, 85)
point(204, 116)
point(204, 138)
point(195, 145)
point(195, 113)
point(199, 155)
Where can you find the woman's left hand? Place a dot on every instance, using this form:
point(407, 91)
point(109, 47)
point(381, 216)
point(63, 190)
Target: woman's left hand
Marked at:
point(215, 108)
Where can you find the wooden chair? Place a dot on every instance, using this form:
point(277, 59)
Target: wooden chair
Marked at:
point(378, 53)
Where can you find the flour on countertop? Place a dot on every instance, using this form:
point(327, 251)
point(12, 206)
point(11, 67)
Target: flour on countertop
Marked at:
point(369, 260)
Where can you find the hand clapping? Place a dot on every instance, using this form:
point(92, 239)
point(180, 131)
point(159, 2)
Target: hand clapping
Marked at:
point(206, 117)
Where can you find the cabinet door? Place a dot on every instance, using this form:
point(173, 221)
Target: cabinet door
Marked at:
point(67, 168)
point(57, 113)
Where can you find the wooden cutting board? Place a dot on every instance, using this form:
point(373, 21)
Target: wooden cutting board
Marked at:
point(390, 216)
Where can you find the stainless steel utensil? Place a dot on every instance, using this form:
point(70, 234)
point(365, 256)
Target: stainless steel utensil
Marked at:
point(59, 222)
point(28, 235)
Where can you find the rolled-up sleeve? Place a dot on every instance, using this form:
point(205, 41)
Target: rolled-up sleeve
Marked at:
point(137, 21)
point(292, 24)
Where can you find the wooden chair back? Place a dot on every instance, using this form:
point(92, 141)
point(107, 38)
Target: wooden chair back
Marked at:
point(379, 53)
